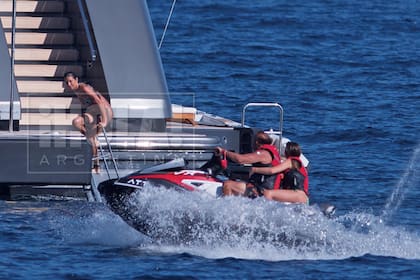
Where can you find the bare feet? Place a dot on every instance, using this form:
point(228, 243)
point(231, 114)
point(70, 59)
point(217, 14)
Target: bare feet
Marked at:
point(96, 166)
point(96, 169)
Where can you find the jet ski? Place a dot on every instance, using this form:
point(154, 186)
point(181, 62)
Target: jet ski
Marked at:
point(173, 175)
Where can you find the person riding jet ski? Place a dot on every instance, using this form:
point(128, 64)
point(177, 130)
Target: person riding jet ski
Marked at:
point(294, 186)
point(265, 155)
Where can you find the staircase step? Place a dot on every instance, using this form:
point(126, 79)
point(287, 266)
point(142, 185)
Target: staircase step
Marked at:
point(41, 38)
point(25, 86)
point(47, 103)
point(47, 119)
point(36, 54)
point(40, 70)
point(44, 52)
point(25, 22)
point(33, 6)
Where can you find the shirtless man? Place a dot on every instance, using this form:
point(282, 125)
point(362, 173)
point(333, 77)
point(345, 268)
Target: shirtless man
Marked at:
point(96, 112)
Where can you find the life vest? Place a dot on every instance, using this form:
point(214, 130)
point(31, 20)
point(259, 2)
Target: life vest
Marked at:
point(275, 155)
point(304, 172)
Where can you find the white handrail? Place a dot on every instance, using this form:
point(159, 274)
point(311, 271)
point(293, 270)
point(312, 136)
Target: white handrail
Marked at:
point(111, 154)
point(263, 104)
point(12, 67)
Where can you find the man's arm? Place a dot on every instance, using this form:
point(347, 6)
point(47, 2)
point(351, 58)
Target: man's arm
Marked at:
point(261, 156)
point(287, 164)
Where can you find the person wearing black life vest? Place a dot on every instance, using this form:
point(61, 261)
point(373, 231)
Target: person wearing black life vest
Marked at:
point(294, 185)
point(265, 155)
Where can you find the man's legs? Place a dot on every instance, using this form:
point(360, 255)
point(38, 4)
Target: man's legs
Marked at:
point(294, 196)
point(79, 123)
point(87, 125)
point(234, 187)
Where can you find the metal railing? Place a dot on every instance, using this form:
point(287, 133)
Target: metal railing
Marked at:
point(104, 157)
point(12, 66)
point(275, 105)
point(87, 30)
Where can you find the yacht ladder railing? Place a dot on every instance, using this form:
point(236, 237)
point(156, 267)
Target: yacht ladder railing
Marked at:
point(104, 156)
point(271, 131)
point(111, 154)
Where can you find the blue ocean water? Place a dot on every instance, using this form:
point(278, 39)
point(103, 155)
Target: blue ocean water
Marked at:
point(348, 76)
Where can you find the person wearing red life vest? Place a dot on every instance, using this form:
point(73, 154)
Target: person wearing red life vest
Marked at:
point(265, 155)
point(295, 184)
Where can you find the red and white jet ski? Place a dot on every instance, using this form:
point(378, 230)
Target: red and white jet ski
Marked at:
point(172, 175)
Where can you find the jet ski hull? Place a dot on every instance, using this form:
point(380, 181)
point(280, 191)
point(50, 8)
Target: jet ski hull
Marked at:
point(121, 196)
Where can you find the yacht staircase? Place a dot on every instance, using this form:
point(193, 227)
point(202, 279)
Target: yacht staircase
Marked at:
point(53, 37)
point(45, 49)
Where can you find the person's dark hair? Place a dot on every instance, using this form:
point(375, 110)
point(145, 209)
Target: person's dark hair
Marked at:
point(292, 149)
point(70, 74)
point(262, 138)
